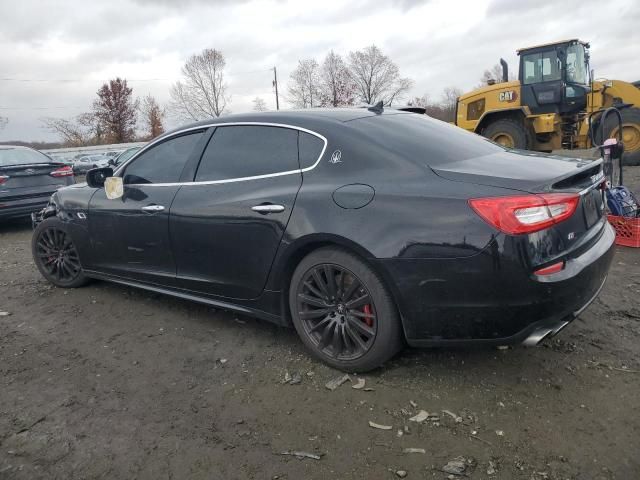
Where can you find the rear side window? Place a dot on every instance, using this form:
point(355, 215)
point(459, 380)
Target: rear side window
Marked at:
point(422, 139)
point(310, 148)
point(247, 151)
point(162, 163)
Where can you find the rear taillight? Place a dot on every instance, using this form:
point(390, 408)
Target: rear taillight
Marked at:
point(525, 213)
point(62, 172)
point(3, 178)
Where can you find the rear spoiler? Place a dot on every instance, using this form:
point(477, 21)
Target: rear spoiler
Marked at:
point(419, 110)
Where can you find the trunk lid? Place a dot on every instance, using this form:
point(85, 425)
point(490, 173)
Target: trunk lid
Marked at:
point(526, 171)
point(540, 173)
point(30, 179)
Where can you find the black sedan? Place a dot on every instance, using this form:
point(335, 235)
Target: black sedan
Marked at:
point(363, 228)
point(27, 180)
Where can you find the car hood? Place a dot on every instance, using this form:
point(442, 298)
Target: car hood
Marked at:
point(516, 169)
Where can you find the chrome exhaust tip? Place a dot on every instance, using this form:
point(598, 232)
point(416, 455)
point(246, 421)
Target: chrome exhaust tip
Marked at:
point(541, 333)
point(536, 337)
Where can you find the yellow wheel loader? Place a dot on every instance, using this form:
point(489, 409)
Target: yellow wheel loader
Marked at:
point(550, 106)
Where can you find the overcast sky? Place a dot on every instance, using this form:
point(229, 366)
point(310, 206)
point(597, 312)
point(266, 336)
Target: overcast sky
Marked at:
point(54, 55)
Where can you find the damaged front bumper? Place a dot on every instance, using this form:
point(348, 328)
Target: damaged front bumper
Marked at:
point(40, 215)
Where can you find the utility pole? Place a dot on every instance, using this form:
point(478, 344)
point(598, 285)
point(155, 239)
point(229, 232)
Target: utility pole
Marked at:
point(275, 84)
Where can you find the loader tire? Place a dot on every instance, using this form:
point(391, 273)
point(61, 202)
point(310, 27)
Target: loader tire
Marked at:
point(509, 133)
point(630, 134)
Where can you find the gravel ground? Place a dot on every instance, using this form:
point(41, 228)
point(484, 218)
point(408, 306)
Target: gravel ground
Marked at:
point(111, 382)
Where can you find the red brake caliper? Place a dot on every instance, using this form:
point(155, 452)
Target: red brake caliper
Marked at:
point(367, 309)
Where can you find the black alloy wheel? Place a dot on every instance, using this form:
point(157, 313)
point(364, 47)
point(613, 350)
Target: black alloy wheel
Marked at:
point(343, 312)
point(58, 255)
point(55, 254)
point(337, 312)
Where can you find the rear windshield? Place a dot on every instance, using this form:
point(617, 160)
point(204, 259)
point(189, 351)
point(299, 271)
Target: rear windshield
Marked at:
point(19, 156)
point(424, 139)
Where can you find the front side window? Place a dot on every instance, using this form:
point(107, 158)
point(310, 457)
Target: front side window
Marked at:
point(247, 151)
point(576, 65)
point(541, 67)
point(163, 163)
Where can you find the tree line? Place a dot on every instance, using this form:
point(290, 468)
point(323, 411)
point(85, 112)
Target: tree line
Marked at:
point(365, 76)
point(113, 118)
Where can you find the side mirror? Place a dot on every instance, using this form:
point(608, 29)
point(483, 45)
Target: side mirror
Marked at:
point(111, 161)
point(113, 187)
point(96, 176)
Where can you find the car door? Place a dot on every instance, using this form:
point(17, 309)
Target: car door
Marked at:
point(130, 235)
point(227, 225)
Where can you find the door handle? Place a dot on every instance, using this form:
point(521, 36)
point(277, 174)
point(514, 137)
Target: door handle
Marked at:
point(153, 208)
point(268, 208)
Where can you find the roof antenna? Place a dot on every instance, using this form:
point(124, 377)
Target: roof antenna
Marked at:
point(377, 108)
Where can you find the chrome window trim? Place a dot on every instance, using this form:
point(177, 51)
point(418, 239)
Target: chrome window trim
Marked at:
point(228, 180)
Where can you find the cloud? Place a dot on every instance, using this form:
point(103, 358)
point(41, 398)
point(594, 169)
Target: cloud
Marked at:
point(70, 47)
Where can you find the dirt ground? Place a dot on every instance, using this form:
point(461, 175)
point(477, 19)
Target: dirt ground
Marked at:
point(112, 382)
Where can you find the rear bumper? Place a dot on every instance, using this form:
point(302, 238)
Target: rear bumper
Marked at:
point(23, 207)
point(491, 298)
point(547, 330)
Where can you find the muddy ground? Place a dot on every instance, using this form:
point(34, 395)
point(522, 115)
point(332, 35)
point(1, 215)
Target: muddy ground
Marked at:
point(111, 382)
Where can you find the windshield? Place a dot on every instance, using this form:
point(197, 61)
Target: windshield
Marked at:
point(576, 64)
point(19, 156)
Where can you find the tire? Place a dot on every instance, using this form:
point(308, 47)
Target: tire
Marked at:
point(509, 133)
point(631, 134)
point(62, 270)
point(362, 305)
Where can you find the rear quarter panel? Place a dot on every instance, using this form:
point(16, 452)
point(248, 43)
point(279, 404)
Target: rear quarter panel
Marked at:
point(414, 213)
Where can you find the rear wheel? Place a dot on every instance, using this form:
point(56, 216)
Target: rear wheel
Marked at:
point(509, 133)
point(343, 312)
point(55, 254)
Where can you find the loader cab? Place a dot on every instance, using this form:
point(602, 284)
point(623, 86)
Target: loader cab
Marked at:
point(554, 78)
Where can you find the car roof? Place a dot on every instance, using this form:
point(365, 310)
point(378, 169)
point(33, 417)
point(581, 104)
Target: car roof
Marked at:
point(306, 118)
point(14, 147)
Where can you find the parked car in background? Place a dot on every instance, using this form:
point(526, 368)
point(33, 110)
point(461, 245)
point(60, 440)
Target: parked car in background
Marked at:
point(87, 162)
point(27, 180)
point(124, 156)
point(364, 228)
point(59, 158)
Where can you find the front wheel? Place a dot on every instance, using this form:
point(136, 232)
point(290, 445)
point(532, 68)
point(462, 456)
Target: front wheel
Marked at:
point(55, 254)
point(509, 133)
point(343, 312)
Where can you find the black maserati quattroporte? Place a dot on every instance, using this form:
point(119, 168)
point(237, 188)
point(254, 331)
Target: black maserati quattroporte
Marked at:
point(365, 229)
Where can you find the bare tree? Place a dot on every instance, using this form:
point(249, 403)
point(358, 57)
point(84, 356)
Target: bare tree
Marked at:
point(434, 110)
point(337, 88)
point(304, 85)
point(152, 117)
point(79, 131)
point(3, 122)
point(259, 105)
point(494, 75)
point(422, 101)
point(376, 76)
point(449, 100)
point(202, 93)
point(115, 111)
